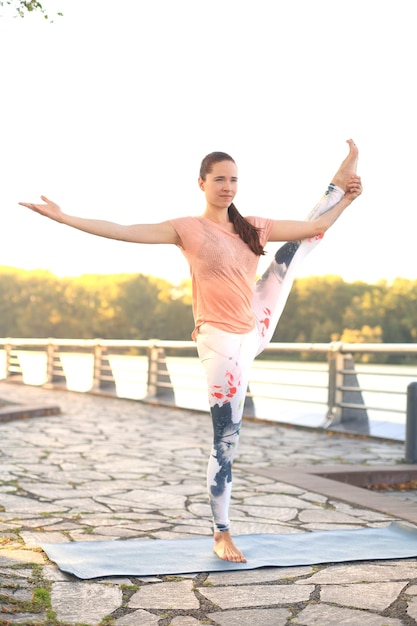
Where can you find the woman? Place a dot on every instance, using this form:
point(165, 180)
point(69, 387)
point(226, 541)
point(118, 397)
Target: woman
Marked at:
point(234, 317)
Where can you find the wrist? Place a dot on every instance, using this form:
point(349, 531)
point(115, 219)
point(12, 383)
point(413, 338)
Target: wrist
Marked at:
point(345, 201)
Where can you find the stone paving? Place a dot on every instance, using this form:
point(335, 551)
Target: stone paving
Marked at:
point(113, 469)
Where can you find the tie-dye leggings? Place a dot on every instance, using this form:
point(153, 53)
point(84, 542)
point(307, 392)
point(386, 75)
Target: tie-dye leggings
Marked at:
point(227, 360)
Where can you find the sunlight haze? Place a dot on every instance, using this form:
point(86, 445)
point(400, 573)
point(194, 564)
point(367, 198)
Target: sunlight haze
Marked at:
point(110, 109)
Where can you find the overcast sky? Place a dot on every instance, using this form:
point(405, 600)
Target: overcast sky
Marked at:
point(110, 109)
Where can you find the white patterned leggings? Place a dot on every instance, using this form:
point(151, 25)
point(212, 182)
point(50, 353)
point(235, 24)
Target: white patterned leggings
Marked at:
point(227, 359)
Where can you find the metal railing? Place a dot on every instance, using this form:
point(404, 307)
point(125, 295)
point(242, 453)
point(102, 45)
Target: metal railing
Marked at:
point(337, 391)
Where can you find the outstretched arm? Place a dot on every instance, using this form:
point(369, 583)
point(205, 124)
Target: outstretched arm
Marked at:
point(293, 230)
point(136, 233)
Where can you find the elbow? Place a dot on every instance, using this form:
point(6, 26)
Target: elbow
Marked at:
point(319, 228)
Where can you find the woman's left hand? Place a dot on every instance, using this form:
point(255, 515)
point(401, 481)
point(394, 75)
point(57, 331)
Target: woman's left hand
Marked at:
point(354, 188)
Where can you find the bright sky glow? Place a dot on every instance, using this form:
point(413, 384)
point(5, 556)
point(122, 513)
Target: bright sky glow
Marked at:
point(110, 109)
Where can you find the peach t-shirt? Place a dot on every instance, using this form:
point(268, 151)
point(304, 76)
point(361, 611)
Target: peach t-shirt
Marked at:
point(223, 271)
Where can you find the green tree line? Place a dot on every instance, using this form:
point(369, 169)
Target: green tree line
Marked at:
point(135, 306)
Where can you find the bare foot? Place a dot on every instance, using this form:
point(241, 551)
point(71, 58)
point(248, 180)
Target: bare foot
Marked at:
point(226, 549)
point(348, 167)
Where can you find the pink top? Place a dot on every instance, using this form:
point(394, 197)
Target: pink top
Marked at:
point(223, 271)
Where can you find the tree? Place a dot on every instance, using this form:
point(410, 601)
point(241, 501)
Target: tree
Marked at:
point(315, 309)
point(23, 7)
point(366, 308)
point(134, 306)
point(399, 306)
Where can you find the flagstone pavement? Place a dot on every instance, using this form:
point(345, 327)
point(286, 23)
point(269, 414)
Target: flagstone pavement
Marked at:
point(106, 468)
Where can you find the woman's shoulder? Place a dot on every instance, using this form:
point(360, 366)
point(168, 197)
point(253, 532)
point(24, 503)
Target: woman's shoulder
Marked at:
point(189, 229)
point(186, 220)
point(259, 222)
point(264, 227)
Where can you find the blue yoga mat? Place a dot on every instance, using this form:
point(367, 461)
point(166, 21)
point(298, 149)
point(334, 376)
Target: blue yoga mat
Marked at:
point(95, 559)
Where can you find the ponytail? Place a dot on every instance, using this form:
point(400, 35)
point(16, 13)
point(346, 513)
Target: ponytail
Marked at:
point(246, 231)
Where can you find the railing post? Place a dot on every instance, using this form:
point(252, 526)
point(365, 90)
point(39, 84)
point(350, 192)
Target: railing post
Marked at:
point(334, 395)
point(152, 370)
point(14, 372)
point(97, 350)
point(159, 381)
point(58, 374)
point(103, 377)
point(411, 425)
point(249, 406)
point(346, 406)
point(7, 351)
point(50, 353)
point(55, 374)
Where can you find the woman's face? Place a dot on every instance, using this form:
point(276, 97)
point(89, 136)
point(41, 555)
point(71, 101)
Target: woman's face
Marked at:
point(220, 185)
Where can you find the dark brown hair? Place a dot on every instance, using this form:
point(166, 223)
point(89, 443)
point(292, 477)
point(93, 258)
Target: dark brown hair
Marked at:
point(246, 231)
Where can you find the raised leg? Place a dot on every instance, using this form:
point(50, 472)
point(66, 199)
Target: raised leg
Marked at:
point(273, 288)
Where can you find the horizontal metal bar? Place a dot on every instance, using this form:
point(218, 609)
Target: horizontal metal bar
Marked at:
point(391, 348)
point(350, 405)
point(368, 390)
point(361, 372)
